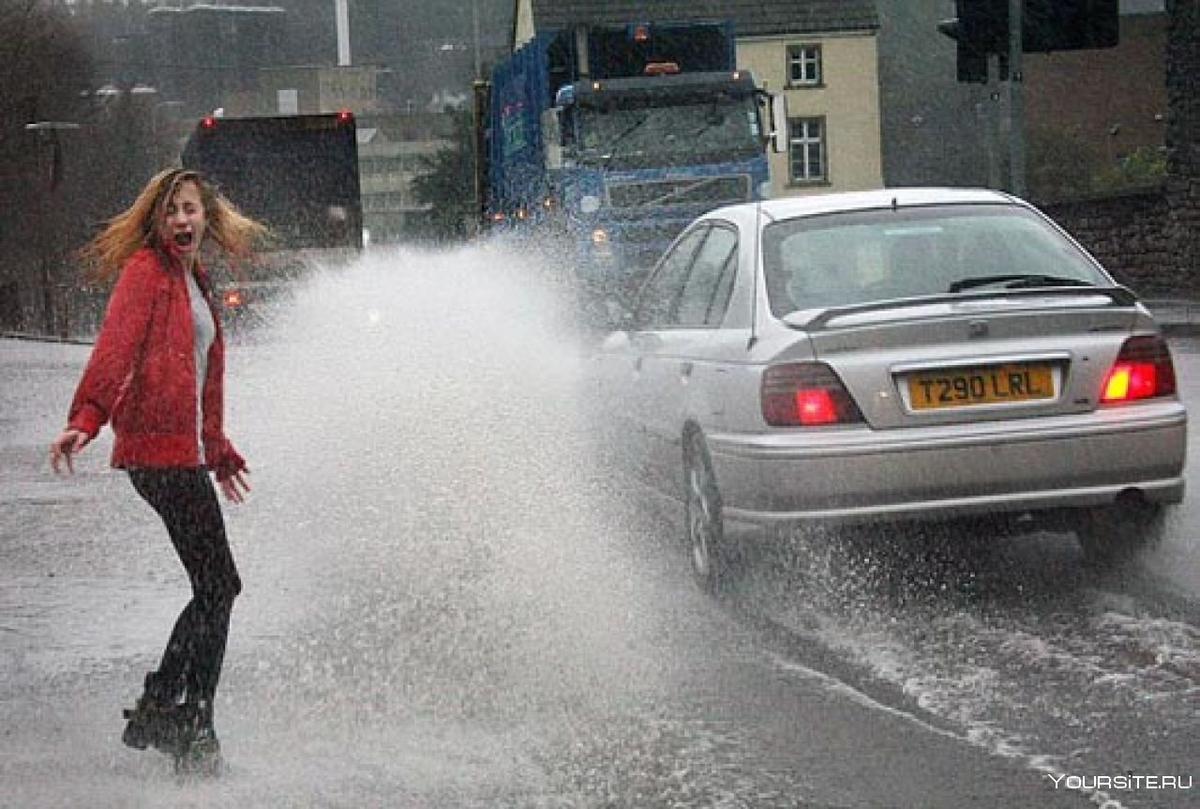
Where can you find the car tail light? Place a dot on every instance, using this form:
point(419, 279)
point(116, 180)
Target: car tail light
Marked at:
point(1143, 370)
point(806, 394)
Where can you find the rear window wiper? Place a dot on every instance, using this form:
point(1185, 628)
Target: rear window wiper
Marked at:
point(1017, 281)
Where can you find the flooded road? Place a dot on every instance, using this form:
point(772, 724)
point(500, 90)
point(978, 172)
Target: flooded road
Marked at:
point(450, 602)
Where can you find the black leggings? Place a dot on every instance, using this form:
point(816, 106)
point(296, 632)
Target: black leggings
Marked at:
point(187, 502)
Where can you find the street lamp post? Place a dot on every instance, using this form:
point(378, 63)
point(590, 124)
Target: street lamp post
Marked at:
point(1016, 104)
point(50, 165)
point(475, 37)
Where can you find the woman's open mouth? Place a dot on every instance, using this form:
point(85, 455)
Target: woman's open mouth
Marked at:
point(183, 239)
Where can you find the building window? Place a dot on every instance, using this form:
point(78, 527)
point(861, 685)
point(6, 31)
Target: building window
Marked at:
point(804, 65)
point(806, 150)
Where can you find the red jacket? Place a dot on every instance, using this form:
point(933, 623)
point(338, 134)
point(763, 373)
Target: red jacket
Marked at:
point(142, 375)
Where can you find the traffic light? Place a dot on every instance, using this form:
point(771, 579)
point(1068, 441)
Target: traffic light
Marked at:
point(981, 29)
point(1068, 25)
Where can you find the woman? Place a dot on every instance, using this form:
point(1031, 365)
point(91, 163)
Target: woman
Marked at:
point(156, 374)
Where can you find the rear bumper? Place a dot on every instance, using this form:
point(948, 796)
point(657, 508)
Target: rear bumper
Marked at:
point(861, 475)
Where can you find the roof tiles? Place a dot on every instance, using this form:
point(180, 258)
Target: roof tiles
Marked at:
point(751, 17)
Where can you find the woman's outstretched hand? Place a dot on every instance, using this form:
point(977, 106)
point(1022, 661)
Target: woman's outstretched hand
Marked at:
point(236, 486)
point(67, 444)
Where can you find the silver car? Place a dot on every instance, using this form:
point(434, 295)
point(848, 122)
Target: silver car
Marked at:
point(910, 354)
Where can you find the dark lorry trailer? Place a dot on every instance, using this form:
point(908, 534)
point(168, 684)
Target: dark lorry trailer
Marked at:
point(298, 175)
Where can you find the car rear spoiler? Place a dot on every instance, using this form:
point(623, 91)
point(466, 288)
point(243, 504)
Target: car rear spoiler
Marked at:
point(818, 319)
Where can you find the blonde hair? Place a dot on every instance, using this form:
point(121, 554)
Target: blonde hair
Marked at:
point(136, 227)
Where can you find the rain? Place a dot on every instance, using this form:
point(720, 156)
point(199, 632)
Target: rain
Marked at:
point(446, 595)
point(451, 599)
point(456, 594)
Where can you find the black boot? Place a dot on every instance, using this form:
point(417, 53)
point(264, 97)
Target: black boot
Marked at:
point(155, 720)
point(198, 752)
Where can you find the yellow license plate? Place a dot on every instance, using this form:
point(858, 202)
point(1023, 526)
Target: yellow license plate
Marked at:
point(993, 384)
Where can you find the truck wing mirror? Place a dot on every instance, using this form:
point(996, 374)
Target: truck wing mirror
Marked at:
point(779, 123)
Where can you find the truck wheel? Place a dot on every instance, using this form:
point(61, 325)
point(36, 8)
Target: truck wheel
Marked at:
point(1114, 534)
point(713, 563)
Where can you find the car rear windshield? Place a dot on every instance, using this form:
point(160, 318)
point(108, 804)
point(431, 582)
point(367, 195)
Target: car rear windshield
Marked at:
point(865, 256)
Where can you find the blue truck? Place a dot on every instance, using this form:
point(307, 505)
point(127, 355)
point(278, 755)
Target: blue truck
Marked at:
point(611, 139)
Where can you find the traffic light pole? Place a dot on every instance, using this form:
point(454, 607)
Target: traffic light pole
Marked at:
point(1016, 107)
point(992, 35)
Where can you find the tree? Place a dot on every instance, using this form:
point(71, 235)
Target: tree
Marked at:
point(44, 63)
point(447, 183)
point(43, 69)
point(57, 183)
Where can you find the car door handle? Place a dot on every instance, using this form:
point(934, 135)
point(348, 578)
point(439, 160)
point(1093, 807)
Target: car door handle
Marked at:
point(685, 369)
point(637, 364)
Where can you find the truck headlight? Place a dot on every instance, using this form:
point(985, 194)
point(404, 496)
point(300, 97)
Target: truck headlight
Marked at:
point(601, 247)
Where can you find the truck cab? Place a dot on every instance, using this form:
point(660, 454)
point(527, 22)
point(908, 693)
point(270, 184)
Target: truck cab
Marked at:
point(612, 138)
point(631, 161)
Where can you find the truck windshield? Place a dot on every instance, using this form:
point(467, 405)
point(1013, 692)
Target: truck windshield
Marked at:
point(642, 132)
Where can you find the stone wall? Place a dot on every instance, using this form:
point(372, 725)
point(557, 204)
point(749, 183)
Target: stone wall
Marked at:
point(1131, 235)
point(1183, 133)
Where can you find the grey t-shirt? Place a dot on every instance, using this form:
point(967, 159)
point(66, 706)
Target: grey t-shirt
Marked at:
point(204, 331)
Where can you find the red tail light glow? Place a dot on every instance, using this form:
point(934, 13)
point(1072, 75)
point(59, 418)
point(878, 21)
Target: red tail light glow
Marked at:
point(232, 297)
point(208, 122)
point(816, 407)
point(806, 394)
point(1143, 370)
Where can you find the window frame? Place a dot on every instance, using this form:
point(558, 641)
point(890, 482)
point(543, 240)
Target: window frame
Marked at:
point(806, 142)
point(805, 55)
point(665, 285)
point(715, 290)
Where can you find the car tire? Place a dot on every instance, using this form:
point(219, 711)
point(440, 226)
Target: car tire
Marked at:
point(714, 561)
point(1114, 534)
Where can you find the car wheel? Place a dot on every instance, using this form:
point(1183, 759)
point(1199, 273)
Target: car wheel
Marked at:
point(713, 563)
point(1114, 534)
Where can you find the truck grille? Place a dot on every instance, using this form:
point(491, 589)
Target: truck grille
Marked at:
point(680, 191)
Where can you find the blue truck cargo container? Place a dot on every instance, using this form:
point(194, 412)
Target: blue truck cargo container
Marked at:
point(612, 139)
